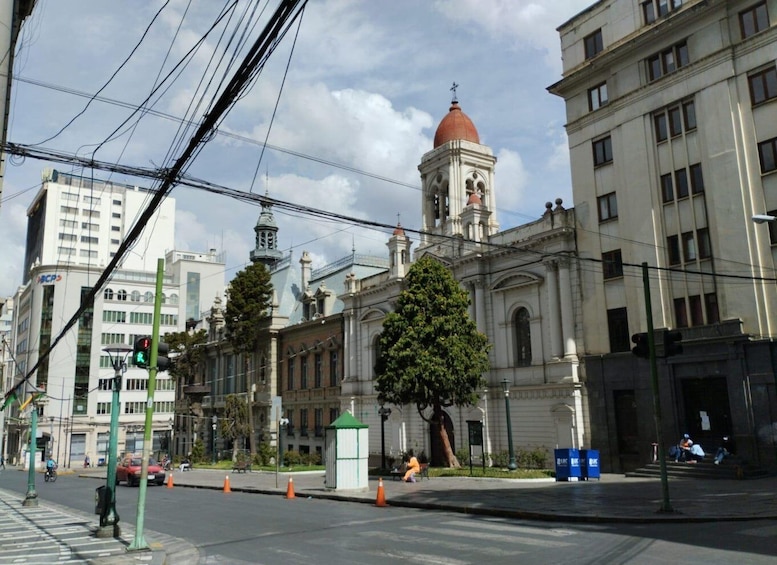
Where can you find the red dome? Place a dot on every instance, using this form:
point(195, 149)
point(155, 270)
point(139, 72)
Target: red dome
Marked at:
point(455, 125)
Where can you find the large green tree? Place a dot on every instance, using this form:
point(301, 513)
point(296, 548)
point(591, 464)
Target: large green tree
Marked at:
point(188, 356)
point(249, 298)
point(233, 425)
point(431, 353)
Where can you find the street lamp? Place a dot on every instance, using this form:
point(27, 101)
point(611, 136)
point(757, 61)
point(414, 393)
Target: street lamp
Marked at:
point(763, 218)
point(384, 415)
point(512, 465)
point(213, 439)
point(109, 518)
point(170, 449)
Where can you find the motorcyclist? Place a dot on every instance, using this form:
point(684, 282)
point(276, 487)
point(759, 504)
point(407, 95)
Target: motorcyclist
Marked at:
point(51, 465)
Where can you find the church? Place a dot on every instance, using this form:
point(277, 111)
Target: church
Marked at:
point(321, 346)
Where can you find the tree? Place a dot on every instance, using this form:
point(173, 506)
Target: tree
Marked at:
point(189, 356)
point(249, 298)
point(431, 353)
point(234, 424)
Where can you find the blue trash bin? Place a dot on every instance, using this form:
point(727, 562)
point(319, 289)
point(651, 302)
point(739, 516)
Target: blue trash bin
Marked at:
point(567, 464)
point(589, 464)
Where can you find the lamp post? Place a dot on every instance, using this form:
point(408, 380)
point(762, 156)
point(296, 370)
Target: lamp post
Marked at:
point(512, 465)
point(109, 518)
point(384, 415)
point(213, 439)
point(170, 449)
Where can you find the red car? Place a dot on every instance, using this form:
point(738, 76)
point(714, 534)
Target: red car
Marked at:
point(128, 470)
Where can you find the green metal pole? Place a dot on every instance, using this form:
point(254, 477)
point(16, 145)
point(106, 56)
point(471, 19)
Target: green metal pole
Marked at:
point(139, 542)
point(109, 518)
point(31, 498)
point(665, 504)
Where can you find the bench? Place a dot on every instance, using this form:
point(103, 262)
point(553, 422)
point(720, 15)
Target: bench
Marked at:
point(241, 466)
point(399, 472)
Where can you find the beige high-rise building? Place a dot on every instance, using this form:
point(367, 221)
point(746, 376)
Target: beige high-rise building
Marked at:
point(672, 124)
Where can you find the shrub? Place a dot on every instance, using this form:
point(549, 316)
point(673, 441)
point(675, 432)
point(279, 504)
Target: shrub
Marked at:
point(198, 452)
point(462, 455)
point(500, 459)
point(265, 454)
point(311, 459)
point(291, 458)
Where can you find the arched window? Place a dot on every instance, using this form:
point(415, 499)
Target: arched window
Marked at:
point(163, 298)
point(173, 299)
point(121, 295)
point(135, 296)
point(522, 338)
point(148, 297)
point(375, 353)
point(108, 294)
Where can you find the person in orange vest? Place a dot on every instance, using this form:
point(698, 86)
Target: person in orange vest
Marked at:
point(413, 467)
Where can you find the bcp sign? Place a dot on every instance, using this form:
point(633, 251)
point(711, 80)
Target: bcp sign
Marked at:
point(48, 279)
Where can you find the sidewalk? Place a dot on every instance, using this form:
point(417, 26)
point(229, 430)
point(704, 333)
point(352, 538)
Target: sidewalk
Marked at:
point(614, 498)
point(50, 533)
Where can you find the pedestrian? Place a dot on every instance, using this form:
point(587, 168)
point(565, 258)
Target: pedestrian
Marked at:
point(2, 462)
point(413, 467)
point(726, 449)
point(87, 462)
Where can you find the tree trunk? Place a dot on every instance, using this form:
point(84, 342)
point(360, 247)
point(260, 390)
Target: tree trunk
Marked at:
point(450, 457)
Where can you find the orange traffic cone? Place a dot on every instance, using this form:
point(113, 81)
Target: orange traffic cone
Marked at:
point(226, 484)
point(290, 488)
point(170, 480)
point(381, 500)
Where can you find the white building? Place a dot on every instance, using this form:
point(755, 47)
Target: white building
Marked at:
point(523, 296)
point(672, 126)
point(75, 225)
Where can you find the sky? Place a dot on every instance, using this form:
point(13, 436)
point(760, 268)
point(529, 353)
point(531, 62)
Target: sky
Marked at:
point(358, 87)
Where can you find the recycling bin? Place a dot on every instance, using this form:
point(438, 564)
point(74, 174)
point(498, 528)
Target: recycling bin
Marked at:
point(589, 464)
point(567, 464)
point(100, 496)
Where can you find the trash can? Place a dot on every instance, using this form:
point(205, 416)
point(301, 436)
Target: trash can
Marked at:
point(589, 464)
point(100, 494)
point(567, 464)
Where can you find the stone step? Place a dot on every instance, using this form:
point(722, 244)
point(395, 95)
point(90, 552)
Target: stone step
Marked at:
point(701, 470)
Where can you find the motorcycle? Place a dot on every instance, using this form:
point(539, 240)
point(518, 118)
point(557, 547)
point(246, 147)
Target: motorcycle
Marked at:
point(50, 475)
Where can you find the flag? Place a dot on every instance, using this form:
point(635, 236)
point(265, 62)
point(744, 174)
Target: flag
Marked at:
point(8, 400)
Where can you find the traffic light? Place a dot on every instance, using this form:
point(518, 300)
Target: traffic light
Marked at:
point(672, 343)
point(641, 347)
point(141, 354)
point(162, 360)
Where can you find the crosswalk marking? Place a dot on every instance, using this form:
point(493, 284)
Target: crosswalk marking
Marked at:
point(509, 528)
point(481, 535)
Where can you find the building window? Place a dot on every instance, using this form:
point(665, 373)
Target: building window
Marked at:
point(697, 180)
point(108, 294)
point(711, 305)
point(334, 375)
point(654, 9)
point(597, 96)
point(334, 414)
point(763, 85)
point(522, 338)
point(618, 327)
point(703, 237)
point(317, 370)
point(602, 151)
point(689, 115)
point(753, 20)
point(689, 246)
point(667, 61)
point(697, 316)
point(612, 264)
point(303, 422)
point(673, 249)
point(675, 121)
point(303, 373)
point(681, 183)
point(660, 125)
point(593, 44)
point(608, 207)
point(667, 188)
point(767, 154)
point(680, 313)
point(290, 374)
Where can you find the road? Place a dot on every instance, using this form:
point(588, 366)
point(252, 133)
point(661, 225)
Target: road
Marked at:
point(239, 528)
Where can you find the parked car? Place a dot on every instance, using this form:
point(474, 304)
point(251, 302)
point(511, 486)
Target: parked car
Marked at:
point(128, 470)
